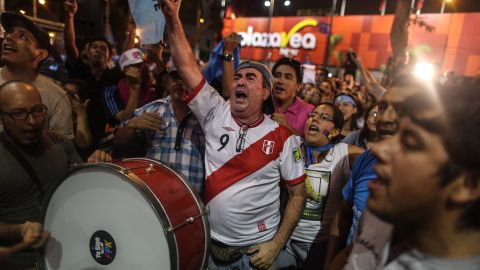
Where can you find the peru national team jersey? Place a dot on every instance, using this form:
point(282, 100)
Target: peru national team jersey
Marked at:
point(243, 168)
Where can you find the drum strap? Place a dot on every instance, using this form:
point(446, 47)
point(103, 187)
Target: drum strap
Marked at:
point(22, 160)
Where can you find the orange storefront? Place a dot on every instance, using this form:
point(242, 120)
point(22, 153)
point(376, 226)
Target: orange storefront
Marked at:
point(452, 42)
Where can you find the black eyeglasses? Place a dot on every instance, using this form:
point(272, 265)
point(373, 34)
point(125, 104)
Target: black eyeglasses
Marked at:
point(322, 116)
point(241, 139)
point(36, 111)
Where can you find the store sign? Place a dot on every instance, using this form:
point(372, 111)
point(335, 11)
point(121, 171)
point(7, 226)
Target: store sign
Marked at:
point(293, 39)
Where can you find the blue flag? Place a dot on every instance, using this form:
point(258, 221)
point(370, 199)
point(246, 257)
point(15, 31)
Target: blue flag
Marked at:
point(215, 66)
point(149, 20)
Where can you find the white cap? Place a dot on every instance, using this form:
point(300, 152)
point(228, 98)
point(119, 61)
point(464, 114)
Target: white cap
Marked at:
point(130, 57)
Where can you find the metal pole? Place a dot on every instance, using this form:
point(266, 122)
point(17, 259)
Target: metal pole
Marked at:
point(384, 8)
point(412, 5)
point(443, 7)
point(269, 22)
point(34, 8)
point(330, 28)
point(342, 12)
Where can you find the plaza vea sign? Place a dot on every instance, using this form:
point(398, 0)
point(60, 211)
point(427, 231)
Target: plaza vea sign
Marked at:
point(293, 39)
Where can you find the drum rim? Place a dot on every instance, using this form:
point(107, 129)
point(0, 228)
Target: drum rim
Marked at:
point(137, 183)
point(197, 200)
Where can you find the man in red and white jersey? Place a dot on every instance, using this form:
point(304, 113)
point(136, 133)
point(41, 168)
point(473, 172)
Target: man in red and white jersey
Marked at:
point(246, 156)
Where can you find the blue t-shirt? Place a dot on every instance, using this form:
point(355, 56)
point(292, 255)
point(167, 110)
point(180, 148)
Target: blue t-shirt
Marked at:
point(356, 190)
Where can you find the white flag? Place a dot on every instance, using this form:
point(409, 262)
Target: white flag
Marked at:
point(149, 20)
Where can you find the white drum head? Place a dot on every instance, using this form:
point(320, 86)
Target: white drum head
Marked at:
point(98, 204)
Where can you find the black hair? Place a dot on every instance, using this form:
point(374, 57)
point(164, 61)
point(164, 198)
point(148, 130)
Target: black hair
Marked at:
point(365, 132)
point(355, 116)
point(337, 119)
point(297, 67)
point(109, 45)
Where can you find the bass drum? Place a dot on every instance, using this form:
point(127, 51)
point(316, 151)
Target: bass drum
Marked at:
point(134, 214)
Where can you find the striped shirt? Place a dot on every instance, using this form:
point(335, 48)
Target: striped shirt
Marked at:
point(185, 154)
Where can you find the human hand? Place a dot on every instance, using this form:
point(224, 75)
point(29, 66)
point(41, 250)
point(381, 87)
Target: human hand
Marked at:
point(266, 254)
point(148, 121)
point(133, 75)
point(99, 156)
point(230, 42)
point(170, 8)
point(280, 118)
point(71, 7)
point(33, 234)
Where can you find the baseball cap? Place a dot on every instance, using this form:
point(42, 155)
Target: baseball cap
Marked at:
point(11, 19)
point(130, 57)
point(267, 75)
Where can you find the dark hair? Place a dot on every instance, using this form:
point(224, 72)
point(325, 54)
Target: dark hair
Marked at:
point(109, 45)
point(297, 67)
point(355, 116)
point(337, 119)
point(461, 139)
point(365, 132)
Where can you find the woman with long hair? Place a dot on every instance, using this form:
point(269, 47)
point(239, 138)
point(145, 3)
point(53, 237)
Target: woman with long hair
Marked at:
point(368, 134)
point(327, 165)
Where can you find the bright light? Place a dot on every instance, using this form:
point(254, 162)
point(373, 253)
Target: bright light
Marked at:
point(424, 71)
point(286, 3)
point(233, 16)
point(51, 34)
point(136, 40)
point(448, 1)
point(202, 20)
point(223, 3)
point(22, 11)
point(267, 3)
point(137, 32)
point(41, 2)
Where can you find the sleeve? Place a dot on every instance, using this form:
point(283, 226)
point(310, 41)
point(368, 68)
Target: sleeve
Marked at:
point(292, 168)
point(348, 189)
point(112, 103)
point(111, 100)
point(61, 120)
point(204, 102)
point(351, 138)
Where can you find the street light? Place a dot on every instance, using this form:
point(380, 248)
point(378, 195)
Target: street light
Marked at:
point(267, 3)
point(443, 5)
point(286, 3)
point(41, 2)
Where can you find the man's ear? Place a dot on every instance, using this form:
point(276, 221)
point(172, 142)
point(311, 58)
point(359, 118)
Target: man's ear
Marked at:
point(265, 94)
point(41, 55)
point(465, 189)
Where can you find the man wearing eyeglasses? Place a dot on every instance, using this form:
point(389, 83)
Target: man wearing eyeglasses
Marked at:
point(246, 156)
point(24, 49)
point(33, 160)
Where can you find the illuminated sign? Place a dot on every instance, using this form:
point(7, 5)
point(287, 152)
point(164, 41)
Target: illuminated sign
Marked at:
point(281, 40)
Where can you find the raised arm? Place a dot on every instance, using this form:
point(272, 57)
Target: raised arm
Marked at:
point(69, 32)
point(180, 50)
point(229, 45)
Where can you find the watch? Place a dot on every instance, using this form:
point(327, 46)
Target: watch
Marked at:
point(227, 57)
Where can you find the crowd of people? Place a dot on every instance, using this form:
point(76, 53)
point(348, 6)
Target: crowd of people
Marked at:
point(336, 173)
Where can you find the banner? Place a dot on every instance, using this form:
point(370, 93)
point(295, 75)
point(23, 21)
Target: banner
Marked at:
point(149, 20)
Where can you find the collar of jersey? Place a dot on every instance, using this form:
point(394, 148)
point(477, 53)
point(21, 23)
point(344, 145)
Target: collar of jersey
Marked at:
point(254, 124)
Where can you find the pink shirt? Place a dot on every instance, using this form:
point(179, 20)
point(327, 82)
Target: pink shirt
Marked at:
point(296, 114)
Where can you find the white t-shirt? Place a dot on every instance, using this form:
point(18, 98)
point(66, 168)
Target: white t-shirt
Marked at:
point(242, 187)
point(324, 182)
